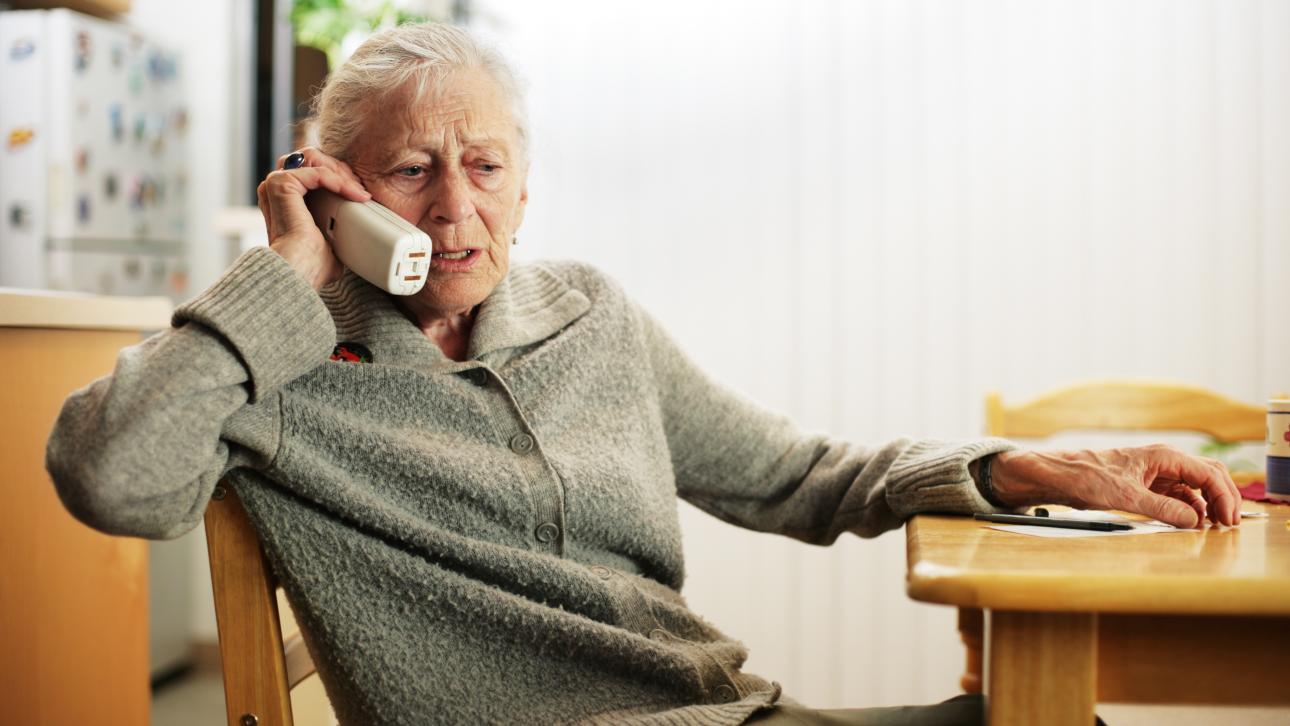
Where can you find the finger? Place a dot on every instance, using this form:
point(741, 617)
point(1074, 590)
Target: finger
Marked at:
point(348, 171)
point(1191, 497)
point(314, 157)
point(285, 192)
point(1183, 493)
point(1226, 475)
point(1166, 509)
point(283, 184)
point(1170, 463)
point(263, 203)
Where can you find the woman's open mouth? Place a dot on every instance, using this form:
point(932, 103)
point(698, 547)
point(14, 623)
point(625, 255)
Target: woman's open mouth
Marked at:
point(454, 261)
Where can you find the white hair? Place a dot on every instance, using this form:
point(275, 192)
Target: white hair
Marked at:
point(420, 53)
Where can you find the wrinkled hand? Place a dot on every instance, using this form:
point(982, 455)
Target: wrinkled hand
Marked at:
point(1158, 481)
point(291, 228)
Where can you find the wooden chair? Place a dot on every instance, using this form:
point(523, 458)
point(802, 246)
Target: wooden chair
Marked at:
point(1127, 405)
point(1111, 405)
point(259, 668)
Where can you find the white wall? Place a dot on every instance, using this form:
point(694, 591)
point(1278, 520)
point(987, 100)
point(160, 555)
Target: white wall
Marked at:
point(869, 214)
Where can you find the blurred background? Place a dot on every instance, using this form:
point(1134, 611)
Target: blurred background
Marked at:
point(868, 214)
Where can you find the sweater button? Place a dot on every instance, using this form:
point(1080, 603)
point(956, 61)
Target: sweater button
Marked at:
point(547, 532)
point(723, 694)
point(658, 634)
point(477, 376)
point(521, 443)
point(602, 572)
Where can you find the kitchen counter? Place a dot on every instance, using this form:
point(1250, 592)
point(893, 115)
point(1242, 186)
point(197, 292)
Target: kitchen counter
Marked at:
point(74, 620)
point(49, 309)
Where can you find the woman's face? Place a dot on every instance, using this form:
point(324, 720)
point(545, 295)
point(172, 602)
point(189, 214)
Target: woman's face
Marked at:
point(451, 164)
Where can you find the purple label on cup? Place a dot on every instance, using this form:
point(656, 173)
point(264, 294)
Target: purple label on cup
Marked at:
point(1279, 476)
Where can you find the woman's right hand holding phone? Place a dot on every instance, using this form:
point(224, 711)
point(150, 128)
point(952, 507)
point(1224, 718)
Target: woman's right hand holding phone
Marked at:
point(292, 232)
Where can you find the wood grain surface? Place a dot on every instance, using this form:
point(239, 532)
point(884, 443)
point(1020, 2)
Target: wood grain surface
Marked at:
point(73, 601)
point(1042, 668)
point(1214, 571)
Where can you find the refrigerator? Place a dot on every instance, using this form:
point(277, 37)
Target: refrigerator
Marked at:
point(93, 145)
point(92, 180)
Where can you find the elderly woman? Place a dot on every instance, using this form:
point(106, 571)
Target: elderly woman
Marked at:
point(469, 494)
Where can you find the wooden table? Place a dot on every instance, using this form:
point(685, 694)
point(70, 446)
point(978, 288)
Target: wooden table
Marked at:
point(1185, 617)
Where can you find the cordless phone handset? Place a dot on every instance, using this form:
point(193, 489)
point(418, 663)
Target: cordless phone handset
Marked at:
point(377, 244)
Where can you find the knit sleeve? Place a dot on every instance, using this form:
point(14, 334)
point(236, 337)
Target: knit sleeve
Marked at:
point(139, 451)
point(757, 469)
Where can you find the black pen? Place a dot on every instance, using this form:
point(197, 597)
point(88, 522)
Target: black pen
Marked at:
point(1054, 522)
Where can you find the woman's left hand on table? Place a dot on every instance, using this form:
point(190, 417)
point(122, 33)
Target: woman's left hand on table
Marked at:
point(1159, 481)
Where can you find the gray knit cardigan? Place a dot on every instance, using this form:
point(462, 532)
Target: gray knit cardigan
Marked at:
point(488, 541)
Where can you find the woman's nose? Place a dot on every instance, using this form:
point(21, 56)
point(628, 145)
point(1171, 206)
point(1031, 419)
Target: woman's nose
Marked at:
point(452, 203)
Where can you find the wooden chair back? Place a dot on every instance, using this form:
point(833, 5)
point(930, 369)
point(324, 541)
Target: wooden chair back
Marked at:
point(259, 668)
point(1127, 405)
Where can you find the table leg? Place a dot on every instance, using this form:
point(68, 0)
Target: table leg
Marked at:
point(1041, 668)
point(971, 627)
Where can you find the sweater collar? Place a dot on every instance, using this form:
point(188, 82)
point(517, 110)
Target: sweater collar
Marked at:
point(530, 305)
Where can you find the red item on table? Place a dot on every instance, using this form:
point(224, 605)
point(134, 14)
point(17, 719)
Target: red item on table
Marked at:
point(1258, 492)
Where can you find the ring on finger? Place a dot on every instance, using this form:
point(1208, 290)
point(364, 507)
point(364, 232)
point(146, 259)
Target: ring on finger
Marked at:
point(294, 160)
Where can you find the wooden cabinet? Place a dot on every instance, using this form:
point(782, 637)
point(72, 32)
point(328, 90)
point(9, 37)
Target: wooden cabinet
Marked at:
point(73, 602)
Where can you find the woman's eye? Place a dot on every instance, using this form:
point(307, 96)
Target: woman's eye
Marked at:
point(414, 170)
point(488, 168)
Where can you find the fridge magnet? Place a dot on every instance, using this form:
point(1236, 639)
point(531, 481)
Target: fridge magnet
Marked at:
point(83, 208)
point(140, 127)
point(143, 192)
point(82, 51)
point(136, 78)
point(18, 215)
point(179, 120)
point(157, 132)
point(110, 186)
point(20, 136)
point(161, 67)
point(82, 160)
point(117, 120)
point(179, 283)
point(22, 49)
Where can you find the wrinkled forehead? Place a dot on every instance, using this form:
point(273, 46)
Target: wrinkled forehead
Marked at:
point(438, 114)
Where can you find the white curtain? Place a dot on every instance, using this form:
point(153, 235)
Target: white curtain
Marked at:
point(869, 214)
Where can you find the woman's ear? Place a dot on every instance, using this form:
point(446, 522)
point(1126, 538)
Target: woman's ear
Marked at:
point(519, 209)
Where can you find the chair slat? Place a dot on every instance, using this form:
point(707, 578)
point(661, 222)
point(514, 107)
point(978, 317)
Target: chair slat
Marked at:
point(246, 612)
point(1127, 405)
point(299, 663)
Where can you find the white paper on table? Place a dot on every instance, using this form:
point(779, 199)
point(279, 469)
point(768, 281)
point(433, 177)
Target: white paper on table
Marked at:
point(1149, 526)
point(1094, 515)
